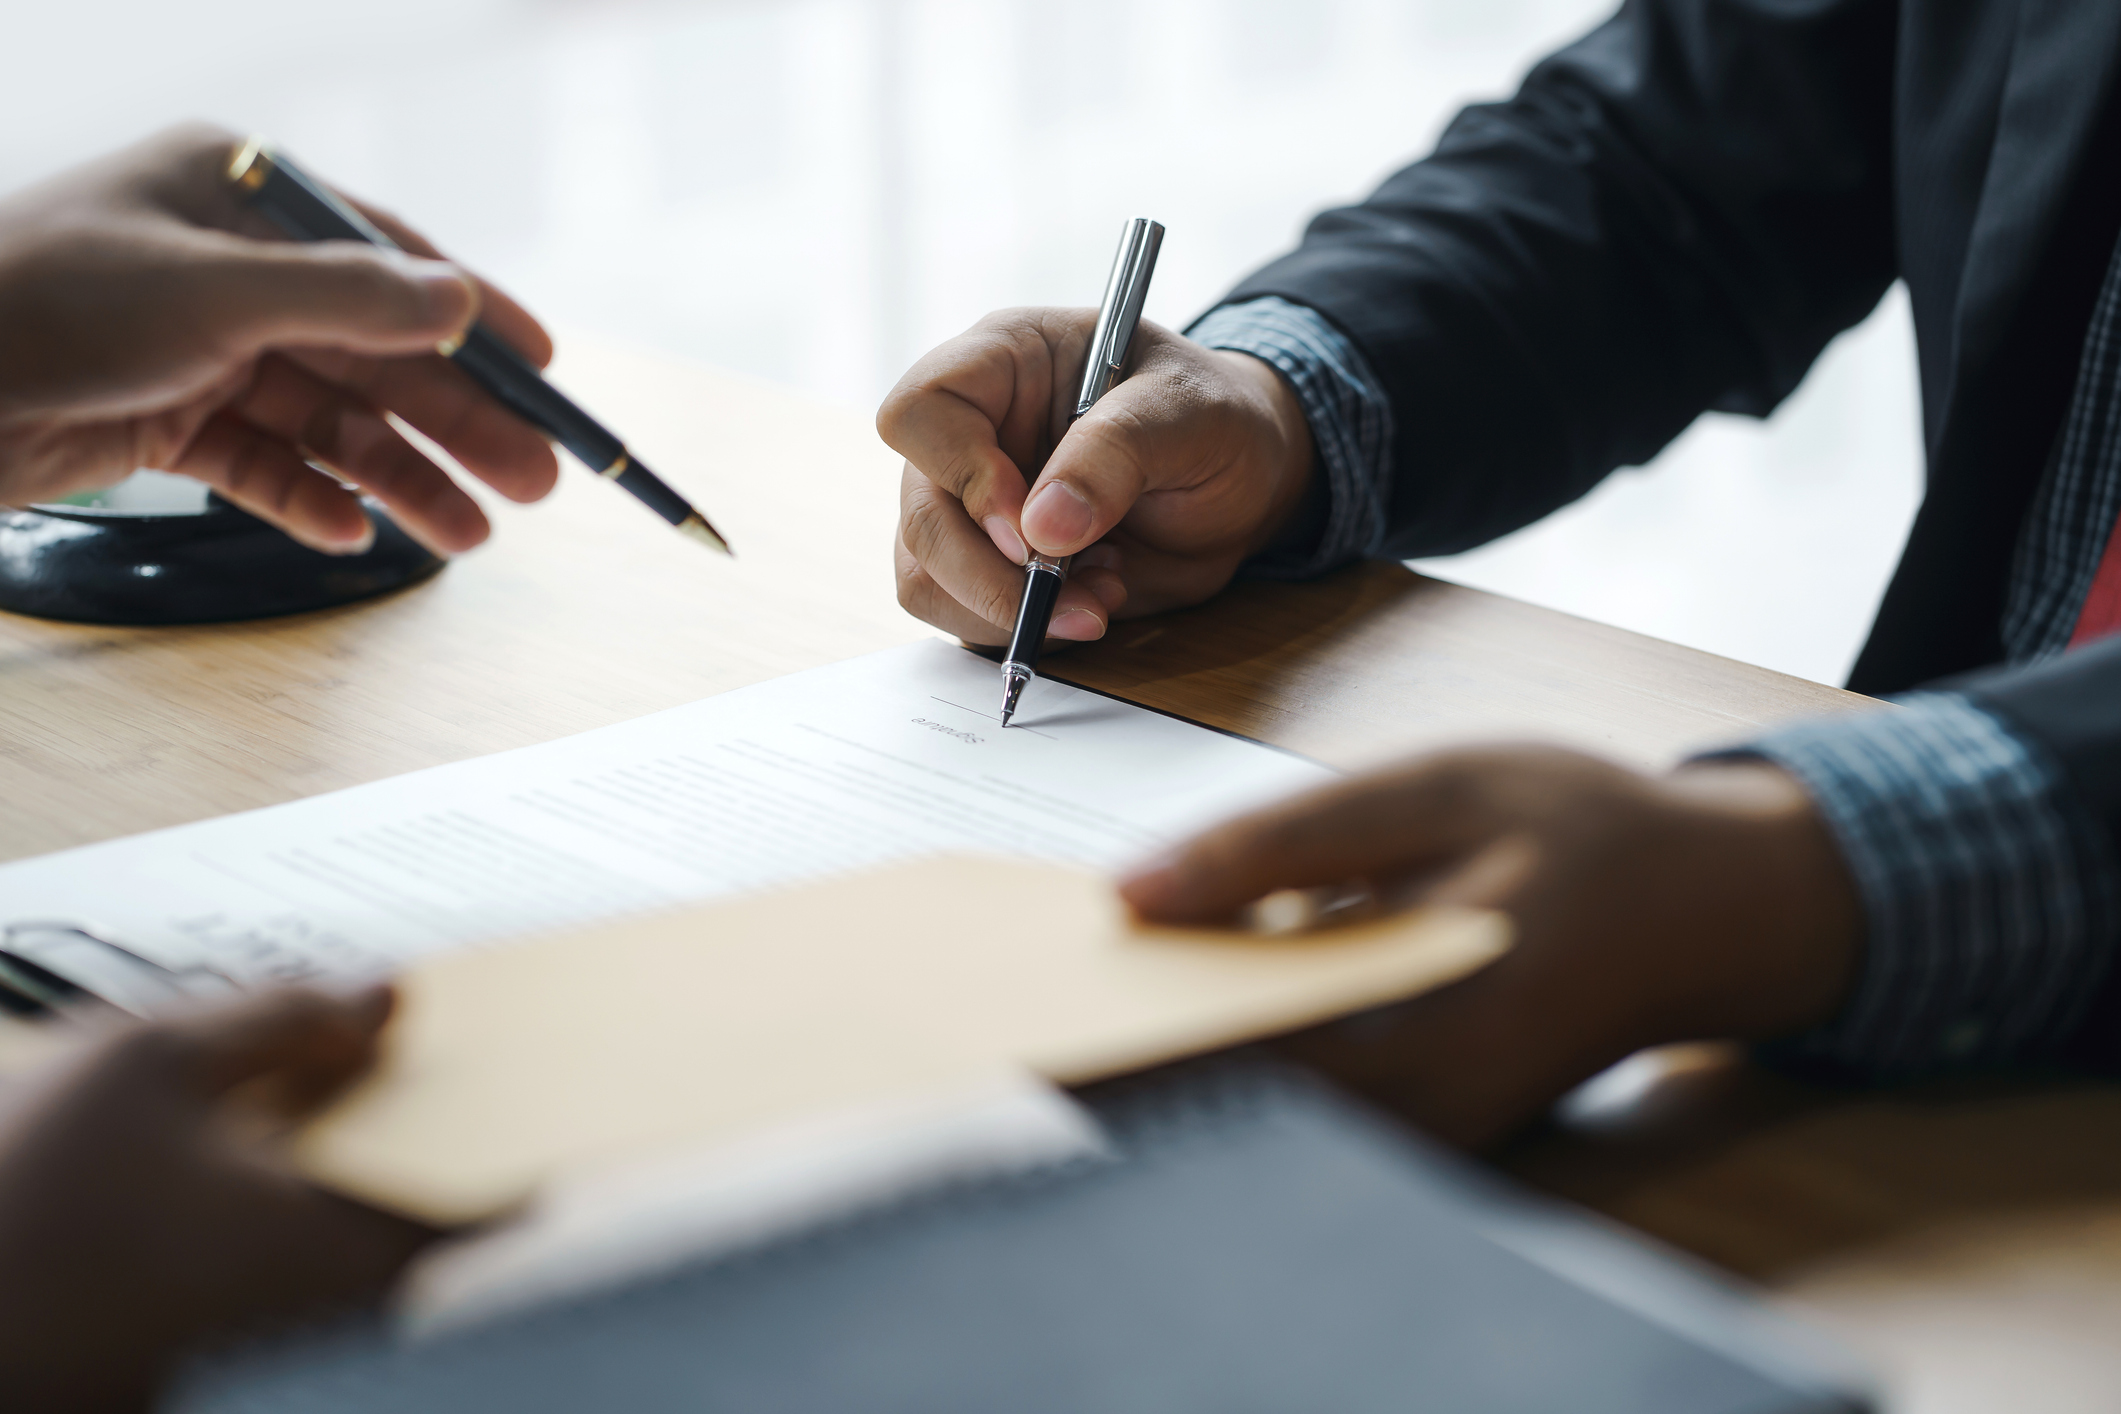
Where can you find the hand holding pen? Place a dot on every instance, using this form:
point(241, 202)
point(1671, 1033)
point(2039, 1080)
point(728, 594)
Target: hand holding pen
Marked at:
point(142, 323)
point(307, 210)
point(1119, 315)
point(1198, 459)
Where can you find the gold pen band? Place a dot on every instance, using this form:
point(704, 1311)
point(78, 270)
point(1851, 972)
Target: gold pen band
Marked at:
point(251, 165)
point(617, 469)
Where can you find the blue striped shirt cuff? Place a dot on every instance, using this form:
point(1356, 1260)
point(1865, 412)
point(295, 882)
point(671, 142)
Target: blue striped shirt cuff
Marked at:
point(1350, 417)
point(1989, 893)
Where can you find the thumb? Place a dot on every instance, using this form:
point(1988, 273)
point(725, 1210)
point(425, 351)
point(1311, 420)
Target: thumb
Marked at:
point(1367, 827)
point(315, 1040)
point(1099, 470)
point(255, 295)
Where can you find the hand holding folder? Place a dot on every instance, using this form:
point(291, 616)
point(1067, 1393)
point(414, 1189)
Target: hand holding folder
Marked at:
point(511, 1068)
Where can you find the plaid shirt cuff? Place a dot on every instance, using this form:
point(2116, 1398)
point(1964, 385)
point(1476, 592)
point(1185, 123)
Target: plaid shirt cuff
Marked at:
point(1989, 894)
point(1350, 417)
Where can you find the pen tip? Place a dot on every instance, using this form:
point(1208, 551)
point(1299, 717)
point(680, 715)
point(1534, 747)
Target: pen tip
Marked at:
point(1013, 680)
point(697, 527)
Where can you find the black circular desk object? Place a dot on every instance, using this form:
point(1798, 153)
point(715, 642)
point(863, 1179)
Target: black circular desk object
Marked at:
point(212, 566)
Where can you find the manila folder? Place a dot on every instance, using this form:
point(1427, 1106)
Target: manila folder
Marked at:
point(510, 1068)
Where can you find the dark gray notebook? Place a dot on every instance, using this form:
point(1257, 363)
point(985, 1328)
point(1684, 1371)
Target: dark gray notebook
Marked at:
point(1256, 1244)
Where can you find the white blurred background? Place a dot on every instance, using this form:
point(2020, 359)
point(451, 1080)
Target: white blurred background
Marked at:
point(815, 191)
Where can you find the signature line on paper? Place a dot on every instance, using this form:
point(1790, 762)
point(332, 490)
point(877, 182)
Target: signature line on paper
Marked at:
point(992, 717)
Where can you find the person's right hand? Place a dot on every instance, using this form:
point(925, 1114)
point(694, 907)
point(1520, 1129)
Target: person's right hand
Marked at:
point(1185, 468)
point(142, 1217)
point(149, 319)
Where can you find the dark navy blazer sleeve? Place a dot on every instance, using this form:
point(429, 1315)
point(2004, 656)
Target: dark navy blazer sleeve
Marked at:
point(1674, 214)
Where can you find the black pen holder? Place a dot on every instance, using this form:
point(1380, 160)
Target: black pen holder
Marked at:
point(212, 566)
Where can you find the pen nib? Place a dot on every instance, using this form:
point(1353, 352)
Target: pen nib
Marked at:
point(697, 527)
point(1014, 676)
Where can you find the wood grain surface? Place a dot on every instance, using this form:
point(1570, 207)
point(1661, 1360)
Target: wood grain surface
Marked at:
point(1968, 1238)
point(581, 611)
point(1377, 660)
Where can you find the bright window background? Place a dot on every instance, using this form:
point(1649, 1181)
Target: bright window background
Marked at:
point(814, 191)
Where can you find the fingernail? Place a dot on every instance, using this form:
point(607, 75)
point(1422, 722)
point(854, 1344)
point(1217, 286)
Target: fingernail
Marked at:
point(1155, 867)
point(1102, 556)
point(1078, 624)
point(1006, 539)
point(1057, 518)
point(357, 545)
point(1150, 882)
point(369, 1004)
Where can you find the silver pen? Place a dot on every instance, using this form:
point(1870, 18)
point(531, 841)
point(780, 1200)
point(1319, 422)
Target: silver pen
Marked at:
point(1118, 316)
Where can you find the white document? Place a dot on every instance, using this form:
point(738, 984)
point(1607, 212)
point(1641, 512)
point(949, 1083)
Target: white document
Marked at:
point(879, 758)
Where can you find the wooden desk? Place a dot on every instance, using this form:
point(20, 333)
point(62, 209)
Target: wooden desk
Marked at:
point(1971, 1240)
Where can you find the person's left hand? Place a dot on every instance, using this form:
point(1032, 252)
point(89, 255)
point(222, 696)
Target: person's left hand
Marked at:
point(1712, 902)
point(149, 319)
point(141, 1216)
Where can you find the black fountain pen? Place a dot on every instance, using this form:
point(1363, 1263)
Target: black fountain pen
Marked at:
point(1118, 316)
point(308, 211)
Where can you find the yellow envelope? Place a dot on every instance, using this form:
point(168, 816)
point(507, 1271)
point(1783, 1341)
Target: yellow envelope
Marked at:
point(512, 1067)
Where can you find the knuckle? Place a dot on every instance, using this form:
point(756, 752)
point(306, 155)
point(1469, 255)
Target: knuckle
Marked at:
point(898, 415)
point(891, 417)
point(995, 605)
point(1022, 321)
point(1053, 324)
point(919, 525)
point(918, 595)
point(372, 282)
point(946, 470)
point(931, 522)
point(962, 475)
point(913, 581)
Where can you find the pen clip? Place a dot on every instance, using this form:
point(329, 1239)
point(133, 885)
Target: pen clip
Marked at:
point(1144, 239)
point(1119, 313)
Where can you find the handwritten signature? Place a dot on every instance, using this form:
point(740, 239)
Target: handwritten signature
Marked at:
point(969, 738)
